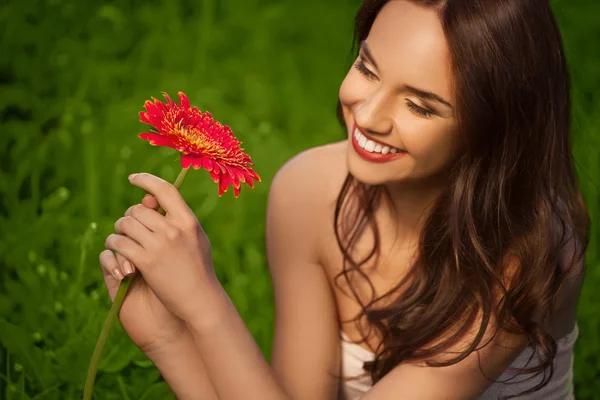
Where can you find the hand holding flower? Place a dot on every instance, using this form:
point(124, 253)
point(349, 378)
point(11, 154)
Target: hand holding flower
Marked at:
point(145, 319)
point(172, 252)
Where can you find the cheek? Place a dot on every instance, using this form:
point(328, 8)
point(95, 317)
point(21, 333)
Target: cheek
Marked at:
point(433, 145)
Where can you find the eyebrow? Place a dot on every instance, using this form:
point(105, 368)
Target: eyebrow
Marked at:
point(427, 95)
point(419, 92)
point(365, 49)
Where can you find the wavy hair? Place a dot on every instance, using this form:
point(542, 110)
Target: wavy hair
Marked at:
point(512, 193)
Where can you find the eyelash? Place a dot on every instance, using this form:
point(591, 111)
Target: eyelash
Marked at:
point(366, 72)
point(362, 68)
point(419, 110)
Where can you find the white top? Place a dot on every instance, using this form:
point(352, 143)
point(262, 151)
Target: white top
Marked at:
point(560, 387)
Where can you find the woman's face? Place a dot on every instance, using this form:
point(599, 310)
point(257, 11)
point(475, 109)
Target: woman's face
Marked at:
point(397, 99)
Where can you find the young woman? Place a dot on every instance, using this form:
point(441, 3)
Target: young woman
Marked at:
point(435, 253)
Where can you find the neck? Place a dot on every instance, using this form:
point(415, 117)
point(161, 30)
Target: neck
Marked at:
point(411, 203)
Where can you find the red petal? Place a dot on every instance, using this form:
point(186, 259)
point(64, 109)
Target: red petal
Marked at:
point(169, 100)
point(151, 108)
point(207, 164)
point(250, 182)
point(230, 171)
point(227, 131)
point(160, 106)
point(223, 184)
point(158, 140)
point(214, 129)
point(215, 176)
point(143, 117)
point(187, 160)
point(235, 183)
point(207, 120)
point(239, 175)
point(253, 174)
point(236, 191)
point(184, 101)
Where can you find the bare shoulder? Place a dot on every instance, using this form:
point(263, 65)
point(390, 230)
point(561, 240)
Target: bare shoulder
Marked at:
point(315, 172)
point(304, 190)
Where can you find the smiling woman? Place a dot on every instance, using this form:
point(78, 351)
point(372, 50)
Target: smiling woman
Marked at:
point(478, 101)
point(455, 257)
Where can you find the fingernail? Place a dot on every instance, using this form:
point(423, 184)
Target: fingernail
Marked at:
point(132, 176)
point(128, 268)
point(117, 274)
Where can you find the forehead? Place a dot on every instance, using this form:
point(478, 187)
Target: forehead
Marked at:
point(409, 46)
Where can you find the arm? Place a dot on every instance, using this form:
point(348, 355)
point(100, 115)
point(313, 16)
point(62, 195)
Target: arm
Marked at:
point(464, 380)
point(460, 381)
point(181, 366)
point(306, 339)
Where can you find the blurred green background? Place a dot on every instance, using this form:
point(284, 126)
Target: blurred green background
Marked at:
point(74, 75)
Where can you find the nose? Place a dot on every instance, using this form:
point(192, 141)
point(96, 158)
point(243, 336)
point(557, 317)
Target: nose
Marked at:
point(374, 114)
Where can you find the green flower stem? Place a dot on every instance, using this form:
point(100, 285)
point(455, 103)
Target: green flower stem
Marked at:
point(112, 315)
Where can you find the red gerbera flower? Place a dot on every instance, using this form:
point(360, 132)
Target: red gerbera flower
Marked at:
point(202, 141)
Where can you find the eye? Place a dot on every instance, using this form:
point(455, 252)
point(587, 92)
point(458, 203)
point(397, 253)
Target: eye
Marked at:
point(419, 110)
point(362, 68)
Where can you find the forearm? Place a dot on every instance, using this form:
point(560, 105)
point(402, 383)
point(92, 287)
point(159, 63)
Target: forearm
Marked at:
point(234, 363)
point(182, 368)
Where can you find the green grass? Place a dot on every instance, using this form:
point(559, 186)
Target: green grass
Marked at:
point(73, 76)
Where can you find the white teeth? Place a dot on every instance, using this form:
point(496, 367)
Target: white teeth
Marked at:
point(362, 141)
point(371, 146)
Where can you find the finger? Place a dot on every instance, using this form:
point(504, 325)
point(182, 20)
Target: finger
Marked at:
point(166, 194)
point(150, 218)
point(127, 247)
point(110, 272)
point(134, 229)
point(150, 202)
point(126, 266)
point(128, 211)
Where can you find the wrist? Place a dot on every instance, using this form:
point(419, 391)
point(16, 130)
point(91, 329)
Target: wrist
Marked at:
point(214, 311)
point(198, 298)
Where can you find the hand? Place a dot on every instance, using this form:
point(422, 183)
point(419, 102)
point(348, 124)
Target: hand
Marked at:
point(172, 252)
point(145, 319)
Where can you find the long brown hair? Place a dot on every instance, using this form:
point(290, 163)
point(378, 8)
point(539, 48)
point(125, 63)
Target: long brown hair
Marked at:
point(512, 193)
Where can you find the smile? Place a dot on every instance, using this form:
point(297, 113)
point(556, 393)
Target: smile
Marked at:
point(373, 151)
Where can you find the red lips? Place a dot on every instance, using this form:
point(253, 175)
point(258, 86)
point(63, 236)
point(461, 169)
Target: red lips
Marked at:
point(375, 157)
